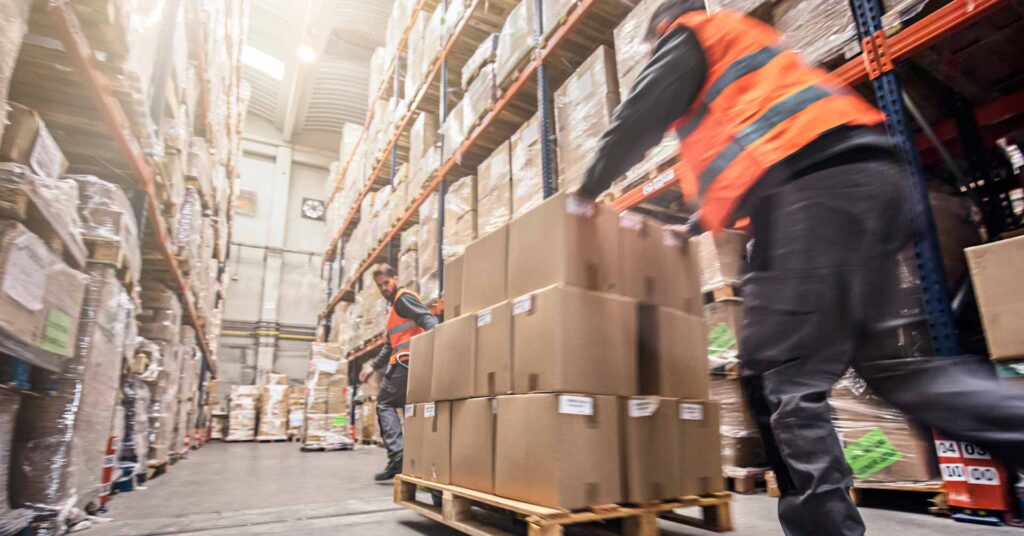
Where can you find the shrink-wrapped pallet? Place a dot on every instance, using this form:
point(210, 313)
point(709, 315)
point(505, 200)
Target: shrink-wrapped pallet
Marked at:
point(273, 421)
point(494, 190)
point(514, 41)
point(479, 99)
point(107, 216)
point(242, 411)
point(459, 217)
point(484, 54)
point(11, 519)
point(46, 205)
point(14, 19)
point(160, 319)
point(527, 176)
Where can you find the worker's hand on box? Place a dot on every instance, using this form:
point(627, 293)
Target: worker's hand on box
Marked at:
point(365, 372)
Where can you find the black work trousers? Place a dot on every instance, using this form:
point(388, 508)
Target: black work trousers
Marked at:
point(822, 297)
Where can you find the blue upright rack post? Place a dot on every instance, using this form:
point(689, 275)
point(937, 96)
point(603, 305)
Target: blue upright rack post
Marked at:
point(442, 188)
point(544, 109)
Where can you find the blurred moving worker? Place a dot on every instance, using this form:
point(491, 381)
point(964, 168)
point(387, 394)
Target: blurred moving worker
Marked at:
point(765, 136)
point(407, 317)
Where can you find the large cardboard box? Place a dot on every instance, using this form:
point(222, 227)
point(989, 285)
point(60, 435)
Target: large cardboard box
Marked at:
point(485, 277)
point(996, 270)
point(672, 351)
point(652, 448)
point(558, 450)
point(453, 275)
point(565, 240)
point(741, 440)
point(472, 461)
point(722, 258)
point(493, 366)
point(454, 348)
point(566, 339)
point(584, 106)
point(513, 41)
point(27, 141)
point(656, 265)
point(494, 190)
point(421, 368)
point(437, 442)
point(412, 436)
point(527, 184)
point(700, 457)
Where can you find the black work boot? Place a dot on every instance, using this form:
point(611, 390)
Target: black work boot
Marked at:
point(393, 468)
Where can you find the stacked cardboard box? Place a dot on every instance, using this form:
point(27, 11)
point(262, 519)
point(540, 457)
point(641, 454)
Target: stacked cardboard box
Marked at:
point(242, 412)
point(273, 420)
point(327, 404)
point(408, 259)
point(429, 233)
point(494, 190)
point(506, 398)
point(459, 217)
point(995, 271)
point(296, 409)
point(46, 206)
point(527, 186)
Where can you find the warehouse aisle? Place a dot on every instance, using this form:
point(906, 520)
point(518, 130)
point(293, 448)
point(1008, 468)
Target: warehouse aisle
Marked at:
point(274, 489)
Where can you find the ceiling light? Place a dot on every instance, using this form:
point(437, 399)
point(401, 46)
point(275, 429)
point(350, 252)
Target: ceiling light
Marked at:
point(306, 53)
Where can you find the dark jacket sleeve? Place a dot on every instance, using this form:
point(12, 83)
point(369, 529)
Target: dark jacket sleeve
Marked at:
point(664, 91)
point(383, 355)
point(413, 309)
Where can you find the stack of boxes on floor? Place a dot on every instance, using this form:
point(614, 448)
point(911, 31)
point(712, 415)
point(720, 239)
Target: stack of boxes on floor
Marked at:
point(365, 402)
point(273, 419)
point(243, 403)
point(327, 405)
point(160, 323)
point(296, 410)
point(550, 388)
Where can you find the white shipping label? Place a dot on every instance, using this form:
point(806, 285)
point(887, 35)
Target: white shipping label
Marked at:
point(329, 366)
point(25, 273)
point(429, 410)
point(410, 410)
point(691, 412)
point(631, 221)
point(641, 407)
point(987, 476)
point(952, 472)
point(576, 405)
point(46, 158)
point(522, 304)
point(974, 452)
point(483, 318)
point(947, 449)
point(578, 206)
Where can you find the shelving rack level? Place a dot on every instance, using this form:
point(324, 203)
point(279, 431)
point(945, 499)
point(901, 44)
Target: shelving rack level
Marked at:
point(69, 30)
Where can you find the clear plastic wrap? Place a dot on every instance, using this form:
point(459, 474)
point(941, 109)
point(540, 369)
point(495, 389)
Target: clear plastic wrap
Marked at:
point(11, 520)
point(242, 410)
point(424, 170)
point(631, 47)
point(514, 41)
point(724, 319)
point(422, 136)
point(459, 217)
point(583, 110)
point(527, 186)
point(409, 239)
point(722, 258)
point(160, 318)
point(880, 444)
point(430, 285)
point(741, 441)
point(25, 195)
point(135, 442)
point(28, 141)
point(453, 131)
point(432, 37)
point(163, 409)
point(189, 225)
point(273, 423)
point(484, 54)
point(414, 68)
point(479, 99)
point(14, 20)
point(322, 426)
point(106, 214)
point(494, 190)
point(296, 409)
point(408, 269)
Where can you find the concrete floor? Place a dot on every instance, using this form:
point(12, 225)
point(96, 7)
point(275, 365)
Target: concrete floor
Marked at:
point(274, 489)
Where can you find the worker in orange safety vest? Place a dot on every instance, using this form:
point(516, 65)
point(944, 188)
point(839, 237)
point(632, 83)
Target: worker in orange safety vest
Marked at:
point(407, 317)
point(765, 136)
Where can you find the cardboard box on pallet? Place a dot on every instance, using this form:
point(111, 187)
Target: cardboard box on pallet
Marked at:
point(514, 41)
point(700, 460)
point(632, 49)
point(459, 216)
point(479, 98)
point(722, 258)
point(454, 272)
point(27, 141)
point(273, 421)
point(421, 366)
point(583, 110)
point(242, 412)
point(650, 428)
point(672, 354)
point(558, 335)
point(412, 436)
point(741, 440)
point(494, 190)
point(472, 453)
point(995, 271)
point(453, 131)
point(437, 439)
point(558, 450)
point(485, 54)
point(565, 240)
point(454, 351)
point(485, 272)
point(656, 266)
point(493, 363)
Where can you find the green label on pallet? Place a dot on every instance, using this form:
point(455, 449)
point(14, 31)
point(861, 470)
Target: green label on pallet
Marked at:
point(721, 339)
point(339, 420)
point(57, 332)
point(871, 453)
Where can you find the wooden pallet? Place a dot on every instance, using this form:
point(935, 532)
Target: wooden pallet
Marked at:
point(322, 447)
point(456, 511)
point(745, 480)
point(727, 291)
point(272, 439)
point(882, 492)
point(105, 251)
point(772, 484)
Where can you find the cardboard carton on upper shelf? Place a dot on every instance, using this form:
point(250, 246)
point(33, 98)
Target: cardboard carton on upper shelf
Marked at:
point(583, 110)
point(652, 448)
point(437, 438)
point(564, 240)
point(493, 364)
point(453, 131)
point(27, 141)
point(700, 466)
point(632, 49)
point(412, 457)
point(656, 266)
point(558, 450)
point(514, 41)
point(527, 186)
point(566, 339)
point(722, 258)
point(484, 54)
point(421, 366)
point(494, 190)
point(472, 455)
point(454, 350)
point(454, 274)
point(996, 274)
point(673, 361)
point(459, 216)
point(479, 98)
point(485, 274)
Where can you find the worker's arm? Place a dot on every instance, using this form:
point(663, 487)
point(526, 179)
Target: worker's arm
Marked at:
point(408, 306)
point(383, 355)
point(664, 91)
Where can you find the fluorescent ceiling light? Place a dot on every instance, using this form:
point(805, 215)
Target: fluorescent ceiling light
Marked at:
point(306, 54)
point(263, 62)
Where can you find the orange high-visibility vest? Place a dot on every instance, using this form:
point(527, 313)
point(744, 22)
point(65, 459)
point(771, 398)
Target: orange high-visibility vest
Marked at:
point(400, 330)
point(760, 103)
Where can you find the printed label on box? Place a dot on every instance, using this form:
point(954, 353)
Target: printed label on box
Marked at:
point(329, 366)
point(641, 407)
point(576, 405)
point(871, 453)
point(483, 318)
point(339, 420)
point(522, 304)
point(57, 332)
point(429, 410)
point(986, 476)
point(46, 158)
point(631, 221)
point(25, 273)
point(947, 449)
point(691, 412)
point(410, 410)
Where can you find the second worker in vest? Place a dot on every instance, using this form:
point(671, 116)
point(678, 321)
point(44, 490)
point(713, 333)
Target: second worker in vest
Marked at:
point(765, 136)
point(407, 317)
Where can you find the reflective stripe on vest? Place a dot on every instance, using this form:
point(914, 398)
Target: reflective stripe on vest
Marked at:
point(760, 104)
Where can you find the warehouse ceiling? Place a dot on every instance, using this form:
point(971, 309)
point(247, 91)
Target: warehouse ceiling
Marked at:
point(320, 93)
